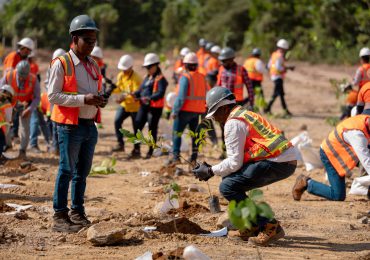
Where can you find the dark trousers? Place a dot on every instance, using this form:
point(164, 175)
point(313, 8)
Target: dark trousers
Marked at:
point(151, 115)
point(120, 117)
point(257, 84)
point(2, 141)
point(278, 92)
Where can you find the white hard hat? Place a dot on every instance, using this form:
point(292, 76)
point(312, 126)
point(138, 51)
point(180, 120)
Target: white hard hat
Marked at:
point(364, 52)
point(191, 58)
point(58, 52)
point(8, 88)
point(216, 49)
point(150, 59)
point(27, 42)
point(282, 43)
point(97, 52)
point(170, 99)
point(125, 62)
point(184, 51)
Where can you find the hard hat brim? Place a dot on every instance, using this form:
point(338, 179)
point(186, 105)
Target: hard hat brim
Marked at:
point(121, 67)
point(222, 103)
point(85, 29)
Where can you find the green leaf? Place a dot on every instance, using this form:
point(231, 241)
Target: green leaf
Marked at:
point(106, 163)
point(265, 210)
point(126, 133)
point(174, 196)
point(175, 187)
point(252, 210)
point(255, 194)
point(113, 162)
point(140, 136)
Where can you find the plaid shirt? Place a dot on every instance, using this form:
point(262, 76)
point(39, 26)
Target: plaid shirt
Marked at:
point(227, 80)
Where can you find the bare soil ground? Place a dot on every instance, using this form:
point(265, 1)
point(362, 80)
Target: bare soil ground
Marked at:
point(315, 228)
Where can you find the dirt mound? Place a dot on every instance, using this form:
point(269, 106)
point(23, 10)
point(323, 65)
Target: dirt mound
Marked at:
point(174, 254)
point(183, 225)
point(189, 210)
point(4, 207)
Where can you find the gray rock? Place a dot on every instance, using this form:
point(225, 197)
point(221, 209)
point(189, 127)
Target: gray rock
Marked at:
point(105, 233)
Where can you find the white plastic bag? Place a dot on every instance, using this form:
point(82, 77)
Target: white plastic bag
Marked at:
point(193, 253)
point(360, 185)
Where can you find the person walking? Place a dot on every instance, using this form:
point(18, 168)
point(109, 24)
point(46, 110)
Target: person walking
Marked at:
point(345, 147)
point(151, 95)
point(74, 84)
point(278, 69)
point(258, 154)
point(128, 81)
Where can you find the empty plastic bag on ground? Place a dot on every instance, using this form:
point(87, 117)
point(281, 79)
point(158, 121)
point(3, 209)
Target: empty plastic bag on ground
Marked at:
point(360, 185)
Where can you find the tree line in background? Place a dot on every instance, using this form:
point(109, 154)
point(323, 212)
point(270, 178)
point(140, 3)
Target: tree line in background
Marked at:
point(318, 30)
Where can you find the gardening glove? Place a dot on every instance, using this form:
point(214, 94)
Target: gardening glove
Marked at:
point(203, 172)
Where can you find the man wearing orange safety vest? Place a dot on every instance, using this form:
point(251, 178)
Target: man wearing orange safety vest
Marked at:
point(34, 68)
point(340, 152)
point(278, 68)
point(201, 52)
point(26, 98)
point(189, 105)
point(178, 67)
point(258, 154)
point(362, 75)
point(25, 47)
point(255, 68)
point(74, 84)
point(6, 99)
point(363, 100)
point(213, 63)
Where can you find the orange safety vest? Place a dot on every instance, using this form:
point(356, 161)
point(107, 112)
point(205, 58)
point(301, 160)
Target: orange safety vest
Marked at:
point(26, 93)
point(69, 115)
point(160, 102)
point(238, 84)
point(365, 74)
point(340, 154)
point(250, 66)
point(3, 109)
point(274, 57)
point(44, 106)
point(264, 140)
point(363, 97)
point(200, 55)
point(34, 68)
point(11, 61)
point(212, 64)
point(351, 98)
point(195, 100)
point(178, 64)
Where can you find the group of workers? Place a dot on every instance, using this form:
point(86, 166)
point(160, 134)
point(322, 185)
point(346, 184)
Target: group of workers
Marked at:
point(210, 86)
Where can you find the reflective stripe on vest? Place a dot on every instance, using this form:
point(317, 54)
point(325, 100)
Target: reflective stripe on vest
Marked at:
point(160, 102)
point(340, 154)
point(3, 109)
point(365, 74)
point(250, 66)
point(274, 57)
point(195, 101)
point(26, 93)
point(264, 140)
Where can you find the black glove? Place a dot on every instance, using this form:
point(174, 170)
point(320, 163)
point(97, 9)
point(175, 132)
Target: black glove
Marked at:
point(203, 172)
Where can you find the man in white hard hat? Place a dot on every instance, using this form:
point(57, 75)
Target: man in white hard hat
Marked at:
point(178, 67)
point(189, 106)
point(213, 64)
point(128, 81)
point(27, 96)
point(278, 69)
point(258, 154)
point(362, 75)
point(25, 47)
point(6, 108)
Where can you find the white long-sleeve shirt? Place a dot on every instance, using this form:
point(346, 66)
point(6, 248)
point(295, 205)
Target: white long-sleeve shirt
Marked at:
point(359, 143)
point(236, 133)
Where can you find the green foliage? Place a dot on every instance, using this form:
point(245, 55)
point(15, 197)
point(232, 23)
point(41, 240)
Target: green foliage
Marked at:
point(243, 215)
point(173, 191)
point(106, 167)
point(139, 138)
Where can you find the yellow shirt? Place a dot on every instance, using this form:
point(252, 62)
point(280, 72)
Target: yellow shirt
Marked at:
point(127, 84)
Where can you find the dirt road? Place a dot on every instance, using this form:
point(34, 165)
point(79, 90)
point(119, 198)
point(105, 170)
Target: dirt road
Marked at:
point(315, 229)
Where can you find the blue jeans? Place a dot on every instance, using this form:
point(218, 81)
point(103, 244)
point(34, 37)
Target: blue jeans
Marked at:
point(121, 116)
point(55, 144)
point(76, 145)
point(179, 124)
point(37, 122)
point(337, 188)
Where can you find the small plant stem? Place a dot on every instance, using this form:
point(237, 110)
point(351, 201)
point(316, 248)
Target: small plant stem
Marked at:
point(209, 190)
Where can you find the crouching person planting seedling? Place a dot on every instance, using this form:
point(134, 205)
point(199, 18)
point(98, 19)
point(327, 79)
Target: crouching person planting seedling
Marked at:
point(258, 154)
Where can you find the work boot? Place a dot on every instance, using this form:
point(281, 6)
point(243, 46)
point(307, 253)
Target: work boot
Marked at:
point(22, 154)
point(118, 148)
point(62, 223)
point(79, 218)
point(243, 235)
point(3, 159)
point(35, 149)
point(300, 186)
point(135, 154)
point(287, 113)
point(271, 232)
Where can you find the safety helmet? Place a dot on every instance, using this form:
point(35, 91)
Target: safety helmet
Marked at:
point(202, 42)
point(209, 46)
point(125, 62)
point(27, 42)
point(7, 88)
point(150, 59)
point(58, 52)
point(226, 53)
point(190, 58)
point(23, 68)
point(364, 52)
point(184, 51)
point(217, 97)
point(97, 52)
point(256, 52)
point(216, 49)
point(82, 22)
point(282, 43)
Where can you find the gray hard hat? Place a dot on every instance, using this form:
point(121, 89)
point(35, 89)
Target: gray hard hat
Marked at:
point(226, 53)
point(23, 69)
point(209, 46)
point(215, 98)
point(82, 22)
point(256, 52)
point(202, 42)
